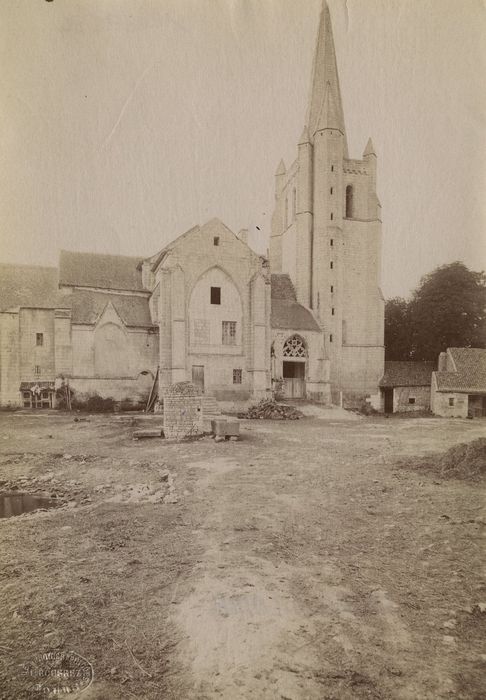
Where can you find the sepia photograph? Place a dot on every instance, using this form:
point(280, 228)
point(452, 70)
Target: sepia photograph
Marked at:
point(242, 350)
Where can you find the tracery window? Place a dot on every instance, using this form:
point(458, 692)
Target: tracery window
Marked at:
point(294, 347)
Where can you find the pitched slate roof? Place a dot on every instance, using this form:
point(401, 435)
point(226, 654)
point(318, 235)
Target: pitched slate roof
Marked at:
point(29, 285)
point(102, 271)
point(470, 374)
point(407, 374)
point(87, 306)
point(286, 311)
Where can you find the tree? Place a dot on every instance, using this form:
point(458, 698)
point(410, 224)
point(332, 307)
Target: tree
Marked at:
point(397, 329)
point(448, 309)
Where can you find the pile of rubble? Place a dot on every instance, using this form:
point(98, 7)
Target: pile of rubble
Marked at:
point(466, 460)
point(267, 409)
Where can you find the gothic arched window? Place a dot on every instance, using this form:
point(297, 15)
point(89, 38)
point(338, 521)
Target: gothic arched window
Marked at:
point(294, 347)
point(349, 202)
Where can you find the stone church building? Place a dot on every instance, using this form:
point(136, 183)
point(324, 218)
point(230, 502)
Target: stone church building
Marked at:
point(307, 321)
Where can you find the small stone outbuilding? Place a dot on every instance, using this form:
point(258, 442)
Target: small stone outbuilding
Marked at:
point(459, 384)
point(405, 386)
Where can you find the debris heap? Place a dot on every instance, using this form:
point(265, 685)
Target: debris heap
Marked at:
point(271, 410)
point(466, 460)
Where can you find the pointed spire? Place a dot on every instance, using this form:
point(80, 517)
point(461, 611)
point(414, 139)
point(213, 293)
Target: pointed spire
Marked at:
point(370, 149)
point(325, 100)
point(304, 137)
point(281, 170)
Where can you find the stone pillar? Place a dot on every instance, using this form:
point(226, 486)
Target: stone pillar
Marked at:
point(178, 326)
point(260, 336)
point(183, 414)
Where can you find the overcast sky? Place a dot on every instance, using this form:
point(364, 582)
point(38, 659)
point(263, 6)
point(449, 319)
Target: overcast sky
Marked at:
point(125, 122)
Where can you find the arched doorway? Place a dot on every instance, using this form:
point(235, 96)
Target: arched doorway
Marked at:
point(294, 358)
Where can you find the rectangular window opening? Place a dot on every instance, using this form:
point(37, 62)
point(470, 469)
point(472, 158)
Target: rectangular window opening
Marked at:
point(39, 338)
point(237, 376)
point(330, 338)
point(332, 168)
point(331, 190)
point(451, 401)
point(332, 311)
point(37, 369)
point(331, 242)
point(332, 288)
point(215, 295)
point(411, 399)
point(332, 216)
point(216, 240)
point(331, 265)
point(229, 332)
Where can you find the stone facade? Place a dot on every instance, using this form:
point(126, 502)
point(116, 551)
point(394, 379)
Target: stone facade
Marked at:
point(326, 233)
point(205, 308)
point(213, 311)
point(459, 384)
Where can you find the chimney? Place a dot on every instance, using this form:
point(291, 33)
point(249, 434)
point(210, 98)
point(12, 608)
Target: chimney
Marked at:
point(442, 366)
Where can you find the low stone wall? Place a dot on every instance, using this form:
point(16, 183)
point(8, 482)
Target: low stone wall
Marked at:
point(135, 389)
point(419, 395)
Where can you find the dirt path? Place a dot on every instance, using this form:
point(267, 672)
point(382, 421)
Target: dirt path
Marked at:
point(316, 571)
point(299, 563)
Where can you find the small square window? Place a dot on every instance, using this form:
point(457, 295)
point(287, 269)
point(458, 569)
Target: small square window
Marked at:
point(216, 240)
point(229, 332)
point(411, 399)
point(237, 375)
point(215, 295)
point(451, 401)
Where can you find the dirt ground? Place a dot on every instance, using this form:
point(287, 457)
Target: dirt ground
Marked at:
point(300, 563)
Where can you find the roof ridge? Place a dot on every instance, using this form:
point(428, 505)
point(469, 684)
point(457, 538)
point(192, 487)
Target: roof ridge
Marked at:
point(37, 267)
point(104, 255)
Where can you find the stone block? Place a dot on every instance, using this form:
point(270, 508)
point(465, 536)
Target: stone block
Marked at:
point(218, 427)
point(232, 428)
point(147, 433)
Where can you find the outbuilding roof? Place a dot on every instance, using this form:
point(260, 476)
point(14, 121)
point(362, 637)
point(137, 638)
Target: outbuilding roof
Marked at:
point(102, 271)
point(29, 286)
point(469, 374)
point(398, 373)
point(87, 306)
point(286, 311)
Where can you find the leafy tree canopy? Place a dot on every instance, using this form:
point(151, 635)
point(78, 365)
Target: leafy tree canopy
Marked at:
point(448, 309)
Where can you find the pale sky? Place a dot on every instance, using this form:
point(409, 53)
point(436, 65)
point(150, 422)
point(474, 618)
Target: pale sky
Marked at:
point(125, 122)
